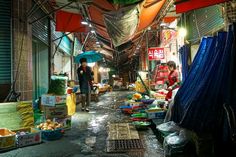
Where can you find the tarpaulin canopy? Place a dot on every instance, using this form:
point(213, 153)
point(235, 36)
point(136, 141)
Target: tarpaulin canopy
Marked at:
point(201, 109)
point(187, 5)
point(69, 22)
point(149, 10)
point(124, 1)
point(118, 24)
point(121, 25)
point(73, 7)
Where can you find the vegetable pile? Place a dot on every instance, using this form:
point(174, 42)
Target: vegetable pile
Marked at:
point(49, 125)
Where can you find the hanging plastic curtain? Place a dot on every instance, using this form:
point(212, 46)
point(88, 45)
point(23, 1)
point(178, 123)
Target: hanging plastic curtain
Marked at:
point(184, 54)
point(121, 25)
point(199, 101)
point(231, 91)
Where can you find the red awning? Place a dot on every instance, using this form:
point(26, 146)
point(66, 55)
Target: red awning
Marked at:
point(168, 19)
point(69, 22)
point(187, 5)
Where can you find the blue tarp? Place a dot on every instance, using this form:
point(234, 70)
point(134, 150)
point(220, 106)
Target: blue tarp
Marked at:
point(184, 54)
point(199, 102)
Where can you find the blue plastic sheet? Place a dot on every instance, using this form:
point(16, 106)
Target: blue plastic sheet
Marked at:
point(199, 102)
point(184, 54)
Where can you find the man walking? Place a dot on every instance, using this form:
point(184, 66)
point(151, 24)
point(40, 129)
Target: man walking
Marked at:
point(85, 76)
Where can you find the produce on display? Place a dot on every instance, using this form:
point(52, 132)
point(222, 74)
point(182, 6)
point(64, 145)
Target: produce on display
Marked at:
point(57, 85)
point(139, 86)
point(139, 115)
point(147, 101)
point(49, 125)
point(141, 124)
point(25, 110)
point(137, 96)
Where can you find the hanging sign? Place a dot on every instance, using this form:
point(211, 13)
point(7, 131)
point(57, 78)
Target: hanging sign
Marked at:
point(156, 53)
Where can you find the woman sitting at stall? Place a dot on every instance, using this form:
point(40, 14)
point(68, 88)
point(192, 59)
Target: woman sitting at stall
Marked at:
point(173, 79)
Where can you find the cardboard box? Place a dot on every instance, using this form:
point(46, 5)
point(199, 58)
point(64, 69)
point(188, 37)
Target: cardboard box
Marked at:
point(33, 137)
point(52, 100)
point(58, 111)
point(7, 139)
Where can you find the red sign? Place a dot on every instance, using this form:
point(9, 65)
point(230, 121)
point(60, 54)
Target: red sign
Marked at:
point(156, 53)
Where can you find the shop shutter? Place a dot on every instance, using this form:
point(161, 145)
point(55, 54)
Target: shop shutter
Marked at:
point(40, 28)
point(5, 41)
point(204, 22)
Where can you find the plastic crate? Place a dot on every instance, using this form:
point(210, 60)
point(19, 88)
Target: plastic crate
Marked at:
point(158, 115)
point(50, 135)
point(7, 139)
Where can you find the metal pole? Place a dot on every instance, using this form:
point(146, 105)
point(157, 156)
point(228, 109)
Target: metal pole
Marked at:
point(57, 47)
point(147, 61)
point(65, 34)
point(42, 17)
point(85, 40)
point(33, 10)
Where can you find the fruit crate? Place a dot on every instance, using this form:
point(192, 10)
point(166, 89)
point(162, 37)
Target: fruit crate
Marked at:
point(7, 139)
point(51, 135)
point(32, 137)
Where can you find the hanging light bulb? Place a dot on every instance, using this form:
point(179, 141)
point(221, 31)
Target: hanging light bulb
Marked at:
point(182, 32)
point(92, 31)
point(84, 23)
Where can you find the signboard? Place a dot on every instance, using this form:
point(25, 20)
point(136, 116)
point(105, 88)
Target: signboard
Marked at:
point(167, 36)
point(156, 53)
point(52, 100)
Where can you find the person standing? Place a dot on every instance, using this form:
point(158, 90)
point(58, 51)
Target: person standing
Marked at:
point(173, 79)
point(85, 77)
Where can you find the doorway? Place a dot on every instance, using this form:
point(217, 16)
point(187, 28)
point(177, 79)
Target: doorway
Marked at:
point(40, 68)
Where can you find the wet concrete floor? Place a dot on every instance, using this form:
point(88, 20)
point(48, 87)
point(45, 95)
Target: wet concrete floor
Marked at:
point(87, 138)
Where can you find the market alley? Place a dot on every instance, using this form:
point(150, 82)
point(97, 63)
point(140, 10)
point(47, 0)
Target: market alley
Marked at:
point(88, 134)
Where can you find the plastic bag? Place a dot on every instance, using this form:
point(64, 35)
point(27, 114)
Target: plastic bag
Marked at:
point(71, 104)
point(175, 143)
point(168, 128)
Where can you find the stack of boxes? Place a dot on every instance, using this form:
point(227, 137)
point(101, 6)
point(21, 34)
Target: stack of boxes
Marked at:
point(55, 108)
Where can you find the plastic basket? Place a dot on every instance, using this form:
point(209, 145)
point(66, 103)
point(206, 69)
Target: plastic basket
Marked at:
point(50, 135)
point(147, 101)
point(141, 125)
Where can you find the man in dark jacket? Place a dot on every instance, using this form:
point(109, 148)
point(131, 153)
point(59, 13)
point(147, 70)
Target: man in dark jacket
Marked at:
point(85, 76)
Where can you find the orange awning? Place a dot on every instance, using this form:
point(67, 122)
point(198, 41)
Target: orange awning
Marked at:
point(149, 11)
